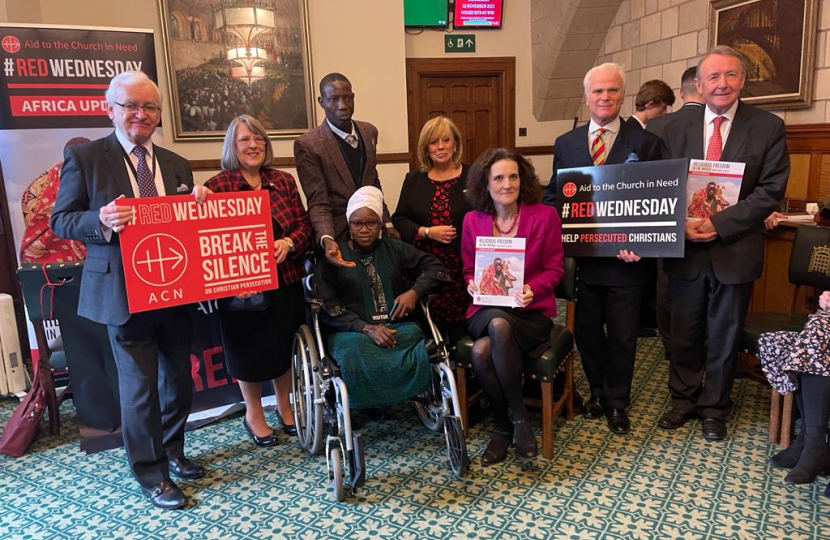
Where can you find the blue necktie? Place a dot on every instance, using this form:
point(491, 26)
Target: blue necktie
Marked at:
point(144, 177)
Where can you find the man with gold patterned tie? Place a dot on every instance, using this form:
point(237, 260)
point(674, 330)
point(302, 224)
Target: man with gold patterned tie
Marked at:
point(711, 286)
point(610, 289)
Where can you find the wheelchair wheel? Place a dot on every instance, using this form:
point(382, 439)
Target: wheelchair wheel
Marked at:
point(338, 492)
point(453, 430)
point(305, 391)
point(429, 404)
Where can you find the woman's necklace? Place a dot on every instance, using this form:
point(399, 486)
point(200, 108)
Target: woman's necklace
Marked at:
point(513, 223)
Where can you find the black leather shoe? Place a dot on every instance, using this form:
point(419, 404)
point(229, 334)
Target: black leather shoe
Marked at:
point(186, 468)
point(618, 421)
point(593, 409)
point(496, 450)
point(526, 446)
point(675, 418)
point(268, 440)
point(713, 429)
point(166, 495)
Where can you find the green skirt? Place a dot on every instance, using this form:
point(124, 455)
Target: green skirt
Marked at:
point(376, 376)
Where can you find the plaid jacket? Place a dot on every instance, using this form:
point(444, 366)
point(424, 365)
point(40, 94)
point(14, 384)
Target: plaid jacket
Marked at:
point(286, 209)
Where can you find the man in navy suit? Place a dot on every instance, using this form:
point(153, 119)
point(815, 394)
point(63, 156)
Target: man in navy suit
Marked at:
point(711, 286)
point(151, 349)
point(610, 289)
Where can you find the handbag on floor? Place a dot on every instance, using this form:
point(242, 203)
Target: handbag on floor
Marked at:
point(22, 426)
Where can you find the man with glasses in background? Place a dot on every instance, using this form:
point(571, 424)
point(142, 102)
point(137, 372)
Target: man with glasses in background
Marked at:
point(151, 349)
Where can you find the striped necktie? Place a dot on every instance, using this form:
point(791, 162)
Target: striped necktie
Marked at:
point(598, 154)
point(716, 142)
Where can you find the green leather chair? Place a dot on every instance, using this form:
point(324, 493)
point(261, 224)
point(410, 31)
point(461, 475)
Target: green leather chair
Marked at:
point(556, 362)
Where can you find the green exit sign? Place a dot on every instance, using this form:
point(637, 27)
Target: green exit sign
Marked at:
point(459, 43)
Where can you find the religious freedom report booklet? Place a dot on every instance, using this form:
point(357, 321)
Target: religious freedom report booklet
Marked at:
point(499, 271)
point(712, 186)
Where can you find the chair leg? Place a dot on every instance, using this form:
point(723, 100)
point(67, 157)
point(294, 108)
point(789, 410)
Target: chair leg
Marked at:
point(569, 387)
point(787, 421)
point(775, 417)
point(461, 386)
point(547, 419)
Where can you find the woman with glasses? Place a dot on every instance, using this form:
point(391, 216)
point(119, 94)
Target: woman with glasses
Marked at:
point(378, 347)
point(257, 330)
point(430, 213)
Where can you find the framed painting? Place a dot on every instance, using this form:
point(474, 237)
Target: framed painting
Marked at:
point(778, 40)
point(231, 57)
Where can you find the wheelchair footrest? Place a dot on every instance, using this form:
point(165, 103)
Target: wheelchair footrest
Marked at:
point(357, 463)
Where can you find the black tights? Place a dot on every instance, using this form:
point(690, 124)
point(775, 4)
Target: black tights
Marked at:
point(497, 360)
point(814, 403)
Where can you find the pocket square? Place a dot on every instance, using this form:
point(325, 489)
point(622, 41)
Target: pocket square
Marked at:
point(182, 188)
point(632, 158)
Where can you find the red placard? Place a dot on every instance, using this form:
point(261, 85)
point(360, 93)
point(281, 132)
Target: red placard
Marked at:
point(477, 14)
point(179, 252)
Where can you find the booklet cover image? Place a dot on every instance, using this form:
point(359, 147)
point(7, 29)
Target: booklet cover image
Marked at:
point(499, 271)
point(712, 187)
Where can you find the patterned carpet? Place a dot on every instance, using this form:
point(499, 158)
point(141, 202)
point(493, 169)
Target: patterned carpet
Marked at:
point(650, 484)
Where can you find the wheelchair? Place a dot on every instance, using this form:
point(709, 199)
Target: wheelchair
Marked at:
point(320, 402)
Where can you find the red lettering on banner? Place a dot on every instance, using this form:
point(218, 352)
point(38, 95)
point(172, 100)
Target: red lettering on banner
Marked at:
point(32, 67)
point(194, 373)
point(582, 209)
point(57, 105)
point(211, 368)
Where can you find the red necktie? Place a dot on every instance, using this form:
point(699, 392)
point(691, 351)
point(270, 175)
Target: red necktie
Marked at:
point(598, 148)
point(144, 178)
point(716, 142)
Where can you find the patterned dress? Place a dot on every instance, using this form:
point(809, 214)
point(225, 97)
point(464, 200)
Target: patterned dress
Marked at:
point(784, 355)
point(450, 304)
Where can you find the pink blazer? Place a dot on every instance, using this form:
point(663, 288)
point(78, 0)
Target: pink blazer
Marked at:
point(539, 224)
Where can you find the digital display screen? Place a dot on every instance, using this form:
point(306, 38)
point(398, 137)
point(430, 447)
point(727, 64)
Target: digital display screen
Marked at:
point(425, 13)
point(477, 13)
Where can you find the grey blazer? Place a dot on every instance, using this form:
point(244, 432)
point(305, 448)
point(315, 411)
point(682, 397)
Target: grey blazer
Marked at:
point(326, 180)
point(93, 175)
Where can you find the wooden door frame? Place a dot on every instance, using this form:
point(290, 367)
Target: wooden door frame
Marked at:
point(504, 68)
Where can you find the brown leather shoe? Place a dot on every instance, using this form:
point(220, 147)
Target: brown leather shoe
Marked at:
point(675, 418)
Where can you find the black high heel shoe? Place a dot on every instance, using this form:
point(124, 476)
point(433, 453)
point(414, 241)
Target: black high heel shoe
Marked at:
point(268, 440)
point(496, 450)
point(290, 430)
point(526, 446)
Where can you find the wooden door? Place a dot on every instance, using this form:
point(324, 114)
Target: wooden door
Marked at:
point(478, 94)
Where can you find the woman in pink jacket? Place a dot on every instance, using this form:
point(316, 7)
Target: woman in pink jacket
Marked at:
point(505, 193)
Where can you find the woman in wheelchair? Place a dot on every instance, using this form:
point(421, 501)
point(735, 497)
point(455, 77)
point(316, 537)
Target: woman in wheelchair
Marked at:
point(379, 349)
point(800, 362)
point(505, 192)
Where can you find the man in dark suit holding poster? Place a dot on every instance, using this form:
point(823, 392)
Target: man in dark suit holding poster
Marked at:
point(711, 286)
point(610, 289)
point(151, 349)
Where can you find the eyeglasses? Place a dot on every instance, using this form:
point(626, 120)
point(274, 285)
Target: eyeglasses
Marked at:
point(245, 141)
point(148, 108)
point(372, 225)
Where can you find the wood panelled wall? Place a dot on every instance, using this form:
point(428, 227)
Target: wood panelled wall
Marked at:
point(809, 146)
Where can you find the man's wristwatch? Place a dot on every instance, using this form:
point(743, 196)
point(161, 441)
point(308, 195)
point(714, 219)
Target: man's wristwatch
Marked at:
point(290, 243)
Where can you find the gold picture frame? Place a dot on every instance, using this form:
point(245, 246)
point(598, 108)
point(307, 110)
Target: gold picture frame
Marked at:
point(778, 39)
point(230, 57)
